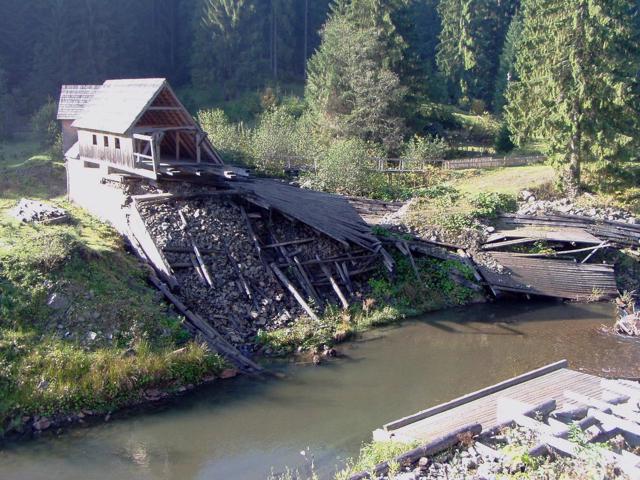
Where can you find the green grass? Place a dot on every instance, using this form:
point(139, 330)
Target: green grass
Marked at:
point(508, 180)
point(373, 453)
point(50, 361)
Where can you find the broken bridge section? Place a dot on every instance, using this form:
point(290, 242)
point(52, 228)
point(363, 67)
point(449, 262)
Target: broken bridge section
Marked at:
point(243, 257)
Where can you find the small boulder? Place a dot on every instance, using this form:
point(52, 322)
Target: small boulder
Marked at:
point(42, 424)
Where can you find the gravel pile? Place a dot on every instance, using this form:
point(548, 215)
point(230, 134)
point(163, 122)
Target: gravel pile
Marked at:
point(29, 211)
point(531, 206)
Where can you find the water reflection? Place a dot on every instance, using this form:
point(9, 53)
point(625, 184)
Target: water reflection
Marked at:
point(243, 428)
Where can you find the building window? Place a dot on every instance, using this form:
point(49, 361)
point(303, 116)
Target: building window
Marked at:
point(95, 139)
point(106, 141)
point(117, 142)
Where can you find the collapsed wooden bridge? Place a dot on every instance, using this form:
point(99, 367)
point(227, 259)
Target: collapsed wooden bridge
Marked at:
point(549, 402)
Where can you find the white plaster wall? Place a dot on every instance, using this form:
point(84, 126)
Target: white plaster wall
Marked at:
point(102, 200)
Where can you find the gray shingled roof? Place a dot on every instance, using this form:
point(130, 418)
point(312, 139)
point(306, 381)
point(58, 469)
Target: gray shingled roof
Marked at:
point(118, 104)
point(73, 98)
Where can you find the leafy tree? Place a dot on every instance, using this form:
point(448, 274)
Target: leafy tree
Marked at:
point(351, 89)
point(44, 125)
point(577, 88)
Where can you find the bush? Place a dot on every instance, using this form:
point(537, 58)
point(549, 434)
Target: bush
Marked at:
point(425, 148)
point(489, 204)
point(231, 140)
point(439, 113)
point(503, 143)
point(275, 140)
point(343, 169)
point(44, 125)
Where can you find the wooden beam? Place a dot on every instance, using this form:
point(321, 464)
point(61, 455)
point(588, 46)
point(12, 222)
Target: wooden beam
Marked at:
point(334, 285)
point(285, 281)
point(177, 145)
point(198, 148)
point(160, 108)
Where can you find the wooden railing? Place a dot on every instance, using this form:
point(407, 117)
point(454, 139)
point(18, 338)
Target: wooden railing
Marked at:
point(111, 155)
point(407, 165)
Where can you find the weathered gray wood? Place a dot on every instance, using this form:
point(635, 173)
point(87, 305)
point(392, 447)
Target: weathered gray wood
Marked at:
point(475, 395)
point(290, 242)
point(307, 282)
point(629, 430)
point(334, 285)
point(432, 448)
point(588, 401)
point(294, 291)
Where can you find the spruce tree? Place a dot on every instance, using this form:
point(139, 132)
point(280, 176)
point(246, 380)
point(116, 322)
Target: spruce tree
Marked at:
point(506, 69)
point(577, 87)
point(351, 91)
point(471, 38)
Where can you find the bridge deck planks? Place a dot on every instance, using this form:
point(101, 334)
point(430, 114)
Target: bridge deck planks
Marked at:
point(483, 410)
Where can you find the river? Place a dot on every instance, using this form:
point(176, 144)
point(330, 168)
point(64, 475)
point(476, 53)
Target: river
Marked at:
point(244, 429)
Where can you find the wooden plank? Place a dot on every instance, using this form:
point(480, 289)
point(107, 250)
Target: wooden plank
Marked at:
point(334, 284)
point(285, 281)
point(629, 429)
point(475, 395)
point(290, 242)
point(588, 401)
point(508, 243)
point(559, 234)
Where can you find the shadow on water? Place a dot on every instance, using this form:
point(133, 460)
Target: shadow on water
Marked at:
point(241, 428)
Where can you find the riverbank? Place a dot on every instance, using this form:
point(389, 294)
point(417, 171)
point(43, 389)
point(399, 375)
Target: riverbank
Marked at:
point(245, 428)
point(84, 335)
point(83, 330)
point(80, 327)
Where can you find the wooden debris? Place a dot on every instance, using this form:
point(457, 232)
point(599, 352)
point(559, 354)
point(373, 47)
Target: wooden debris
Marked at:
point(213, 338)
point(334, 285)
point(285, 281)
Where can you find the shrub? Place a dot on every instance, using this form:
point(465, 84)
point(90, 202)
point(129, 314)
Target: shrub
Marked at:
point(275, 140)
point(44, 125)
point(489, 204)
point(231, 140)
point(343, 168)
point(425, 148)
point(503, 143)
point(439, 113)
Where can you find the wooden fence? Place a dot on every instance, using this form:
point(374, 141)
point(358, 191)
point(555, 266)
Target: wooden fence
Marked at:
point(407, 165)
point(491, 162)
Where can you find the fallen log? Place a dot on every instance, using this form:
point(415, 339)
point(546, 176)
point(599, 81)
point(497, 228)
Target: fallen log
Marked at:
point(435, 446)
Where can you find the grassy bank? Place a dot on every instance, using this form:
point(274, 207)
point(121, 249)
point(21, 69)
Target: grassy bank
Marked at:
point(80, 328)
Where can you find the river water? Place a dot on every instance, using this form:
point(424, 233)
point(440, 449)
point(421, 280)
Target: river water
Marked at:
point(245, 429)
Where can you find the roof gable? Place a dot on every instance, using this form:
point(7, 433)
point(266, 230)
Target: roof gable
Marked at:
point(73, 99)
point(118, 104)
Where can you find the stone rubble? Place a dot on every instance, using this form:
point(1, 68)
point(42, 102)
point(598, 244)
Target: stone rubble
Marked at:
point(29, 211)
point(221, 234)
point(529, 205)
